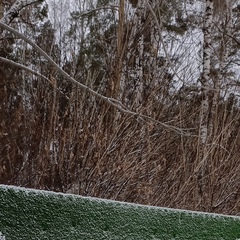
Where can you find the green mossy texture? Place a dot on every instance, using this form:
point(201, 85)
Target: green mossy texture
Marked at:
point(33, 214)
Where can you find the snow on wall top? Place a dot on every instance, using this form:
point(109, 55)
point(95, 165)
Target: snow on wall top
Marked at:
point(34, 214)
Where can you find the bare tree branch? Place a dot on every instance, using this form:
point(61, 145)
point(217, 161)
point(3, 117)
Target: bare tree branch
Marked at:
point(18, 65)
point(113, 102)
point(13, 12)
point(22, 66)
point(111, 7)
point(159, 28)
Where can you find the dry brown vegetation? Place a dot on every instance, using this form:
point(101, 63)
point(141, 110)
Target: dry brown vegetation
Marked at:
point(77, 143)
point(55, 136)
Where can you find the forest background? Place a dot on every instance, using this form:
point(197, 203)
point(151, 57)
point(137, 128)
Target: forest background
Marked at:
point(146, 110)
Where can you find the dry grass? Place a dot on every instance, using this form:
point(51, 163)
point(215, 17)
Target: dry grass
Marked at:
point(76, 143)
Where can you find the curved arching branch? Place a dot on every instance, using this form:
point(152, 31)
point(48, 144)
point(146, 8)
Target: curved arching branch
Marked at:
point(113, 102)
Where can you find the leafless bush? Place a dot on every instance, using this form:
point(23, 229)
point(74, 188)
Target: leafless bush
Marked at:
point(56, 136)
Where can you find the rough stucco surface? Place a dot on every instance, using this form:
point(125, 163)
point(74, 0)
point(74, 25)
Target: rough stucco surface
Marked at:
point(33, 214)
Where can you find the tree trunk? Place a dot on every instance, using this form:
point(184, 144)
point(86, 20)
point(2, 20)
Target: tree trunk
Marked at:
point(206, 86)
point(206, 78)
point(120, 49)
point(1, 9)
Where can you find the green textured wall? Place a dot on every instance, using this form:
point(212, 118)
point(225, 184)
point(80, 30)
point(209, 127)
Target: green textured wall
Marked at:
point(32, 214)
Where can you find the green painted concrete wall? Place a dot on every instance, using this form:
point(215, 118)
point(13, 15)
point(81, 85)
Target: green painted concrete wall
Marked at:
point(32, 214)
